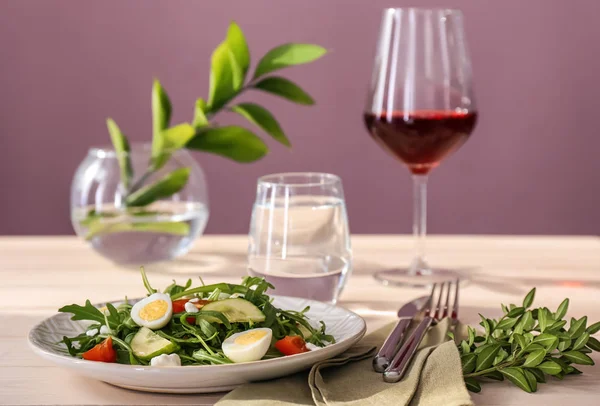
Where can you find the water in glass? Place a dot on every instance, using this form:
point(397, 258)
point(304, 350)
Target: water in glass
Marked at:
point(299, 237)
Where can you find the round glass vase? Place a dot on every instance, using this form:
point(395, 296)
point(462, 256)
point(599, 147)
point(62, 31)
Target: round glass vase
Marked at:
point(142, 232)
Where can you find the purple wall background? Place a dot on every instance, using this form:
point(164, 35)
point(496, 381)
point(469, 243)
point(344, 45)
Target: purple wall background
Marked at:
point(531, 166)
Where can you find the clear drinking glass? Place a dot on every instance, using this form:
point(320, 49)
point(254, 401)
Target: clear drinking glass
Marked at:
point(420, 108)
point(299, 238)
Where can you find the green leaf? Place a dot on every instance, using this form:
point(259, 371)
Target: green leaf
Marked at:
point(170, 184)
point(539, 375)
point(466, 348)
point(225, 77)
point(285, 88)
point(494, 375)
point(528, 320)
point(546, 340)
point(542, 319)
point(586, 350)
point(239, 48)
point(577, 327)
point(578, 357)
point(593, 343)
point(517, 376)
point(232, 142)
point(161, 116)
point(502, 355)
point(534, 358)
point(98, 228)
point(557, 325)
point(177, 137)
point(121, 146)
point(563, 344)
point(521, 341)
point(581, 341)
point(574, 371)
point(534, 347)
point(594, 328)
point(87, 312)
point(517, 311)
point(562, 309)
point(550, 367)
point(479, 349)
point(528, 301)
point(531, 380)
point(485, 324)
point(486, 357)
point(472, 385)
point(471, 333)
point(504, 308)
point(261, 117)
point(506, 324)
point(288, 55)
point(200, 119)
point(468, 362)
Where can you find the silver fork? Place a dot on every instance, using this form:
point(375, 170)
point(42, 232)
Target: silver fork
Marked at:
point(435, 312)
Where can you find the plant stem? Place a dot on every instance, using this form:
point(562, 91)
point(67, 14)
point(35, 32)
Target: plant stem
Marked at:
point(140, 182)
point(492, 369)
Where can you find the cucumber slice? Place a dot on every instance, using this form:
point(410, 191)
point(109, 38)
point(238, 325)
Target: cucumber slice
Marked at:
point(146, 344)
point(236, 310)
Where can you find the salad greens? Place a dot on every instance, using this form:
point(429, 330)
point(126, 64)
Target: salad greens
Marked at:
point(196, 337)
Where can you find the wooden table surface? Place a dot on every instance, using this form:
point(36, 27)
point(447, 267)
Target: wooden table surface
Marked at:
point(40, 274)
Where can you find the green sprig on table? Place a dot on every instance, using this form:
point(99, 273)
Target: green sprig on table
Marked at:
point(525, 345)
point(230, 63)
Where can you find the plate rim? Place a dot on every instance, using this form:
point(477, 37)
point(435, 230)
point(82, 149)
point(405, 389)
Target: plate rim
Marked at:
point(68, 359)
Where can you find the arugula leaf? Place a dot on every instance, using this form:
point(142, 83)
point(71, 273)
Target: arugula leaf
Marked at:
point(88, 312)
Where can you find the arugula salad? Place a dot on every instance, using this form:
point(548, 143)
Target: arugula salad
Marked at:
point(183, 325)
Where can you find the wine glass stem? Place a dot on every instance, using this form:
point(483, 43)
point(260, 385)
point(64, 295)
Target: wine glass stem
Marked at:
point(419, 267)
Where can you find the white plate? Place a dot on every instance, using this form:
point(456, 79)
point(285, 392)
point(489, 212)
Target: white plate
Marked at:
point(347, 328)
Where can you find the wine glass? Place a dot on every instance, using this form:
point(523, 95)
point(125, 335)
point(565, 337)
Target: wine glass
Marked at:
point(420, 108)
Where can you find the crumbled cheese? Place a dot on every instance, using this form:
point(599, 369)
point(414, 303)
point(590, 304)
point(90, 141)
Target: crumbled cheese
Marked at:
point(223, 296)
point(233, 296)
point(194, 300)
point(92, 332)
point(166, 360)
point(105, 330)
point(190, 308)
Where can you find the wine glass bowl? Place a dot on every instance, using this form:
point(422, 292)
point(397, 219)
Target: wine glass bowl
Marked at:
point(420, 107)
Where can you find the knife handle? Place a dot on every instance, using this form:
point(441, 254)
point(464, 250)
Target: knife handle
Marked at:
point(388, 349)
point(401, 361)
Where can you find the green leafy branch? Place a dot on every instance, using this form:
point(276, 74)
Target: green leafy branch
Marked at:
point(525, 345)
point(230, 63)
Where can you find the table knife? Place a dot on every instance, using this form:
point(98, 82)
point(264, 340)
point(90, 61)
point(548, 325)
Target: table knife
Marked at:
point(408, 312)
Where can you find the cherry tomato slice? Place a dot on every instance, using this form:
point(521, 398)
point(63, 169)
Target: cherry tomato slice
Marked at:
point(290, 345)
point(103, 352)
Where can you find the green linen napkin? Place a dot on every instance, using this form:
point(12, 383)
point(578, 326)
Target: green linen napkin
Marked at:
point(434, 378)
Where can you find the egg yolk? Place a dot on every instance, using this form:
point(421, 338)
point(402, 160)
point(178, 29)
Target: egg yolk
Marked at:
point(250, 337)
point(154, 310)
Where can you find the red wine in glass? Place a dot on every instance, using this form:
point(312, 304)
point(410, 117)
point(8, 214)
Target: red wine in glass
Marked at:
point(420, 109)
point(421, 139)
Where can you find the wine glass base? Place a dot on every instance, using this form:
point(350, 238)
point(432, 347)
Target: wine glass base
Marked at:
point(418, 279)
